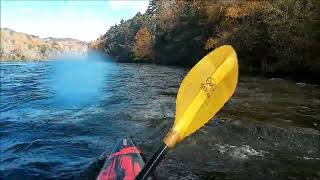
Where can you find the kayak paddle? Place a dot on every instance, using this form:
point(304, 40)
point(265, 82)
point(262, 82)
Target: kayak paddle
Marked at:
point(202, 93)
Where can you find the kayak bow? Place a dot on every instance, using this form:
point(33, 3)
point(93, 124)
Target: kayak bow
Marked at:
point(124, 162)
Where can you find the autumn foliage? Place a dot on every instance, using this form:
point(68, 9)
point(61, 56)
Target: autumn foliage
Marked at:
point(143, 44)
point(271, 37)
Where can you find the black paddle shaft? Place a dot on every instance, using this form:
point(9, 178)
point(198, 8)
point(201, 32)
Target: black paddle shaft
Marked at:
point(153, 162)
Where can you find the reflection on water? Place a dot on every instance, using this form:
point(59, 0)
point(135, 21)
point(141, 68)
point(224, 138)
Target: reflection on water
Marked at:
point(58, 117)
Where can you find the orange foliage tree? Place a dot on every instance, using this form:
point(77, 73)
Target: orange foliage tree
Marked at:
point(143, 44)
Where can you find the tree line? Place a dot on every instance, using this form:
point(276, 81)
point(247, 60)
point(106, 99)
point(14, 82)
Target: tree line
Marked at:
point(271, 37)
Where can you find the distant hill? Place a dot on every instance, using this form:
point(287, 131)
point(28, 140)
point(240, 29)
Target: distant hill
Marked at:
point(20, 46)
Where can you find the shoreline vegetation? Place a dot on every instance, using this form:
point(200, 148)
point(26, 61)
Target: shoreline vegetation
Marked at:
point(272, 38)
point(23, 47)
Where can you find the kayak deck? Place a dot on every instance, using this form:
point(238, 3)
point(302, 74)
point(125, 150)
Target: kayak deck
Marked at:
point(124, 162)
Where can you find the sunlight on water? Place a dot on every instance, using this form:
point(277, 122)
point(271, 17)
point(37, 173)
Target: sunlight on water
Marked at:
point(79, 81)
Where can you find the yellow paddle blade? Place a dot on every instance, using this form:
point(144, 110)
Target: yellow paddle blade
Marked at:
point(203, 92)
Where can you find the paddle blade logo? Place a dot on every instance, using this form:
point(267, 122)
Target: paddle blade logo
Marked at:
point(208, 86)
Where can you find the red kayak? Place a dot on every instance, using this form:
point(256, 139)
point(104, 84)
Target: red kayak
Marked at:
point(124, 162)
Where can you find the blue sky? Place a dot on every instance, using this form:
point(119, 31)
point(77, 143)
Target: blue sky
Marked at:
point(85, 20)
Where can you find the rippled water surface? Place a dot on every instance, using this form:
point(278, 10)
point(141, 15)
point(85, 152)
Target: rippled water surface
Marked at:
point(57, 118)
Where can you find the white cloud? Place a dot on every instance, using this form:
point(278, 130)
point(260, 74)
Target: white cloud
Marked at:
point(133, 5)
point(25, 10)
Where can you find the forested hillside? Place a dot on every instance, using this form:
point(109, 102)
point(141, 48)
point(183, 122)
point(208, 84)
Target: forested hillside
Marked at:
point(280, 37)
point(20, 46)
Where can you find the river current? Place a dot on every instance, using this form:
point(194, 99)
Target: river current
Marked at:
point(58, 117)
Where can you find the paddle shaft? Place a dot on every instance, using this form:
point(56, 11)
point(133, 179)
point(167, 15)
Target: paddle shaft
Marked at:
point(153, 162)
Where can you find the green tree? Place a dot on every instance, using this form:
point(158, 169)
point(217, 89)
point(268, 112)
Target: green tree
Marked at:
point(43, 49)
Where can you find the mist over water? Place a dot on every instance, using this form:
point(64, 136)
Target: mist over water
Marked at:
point(80, 81)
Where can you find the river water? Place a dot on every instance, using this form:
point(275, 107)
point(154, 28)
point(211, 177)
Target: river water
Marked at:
point(57, 118)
